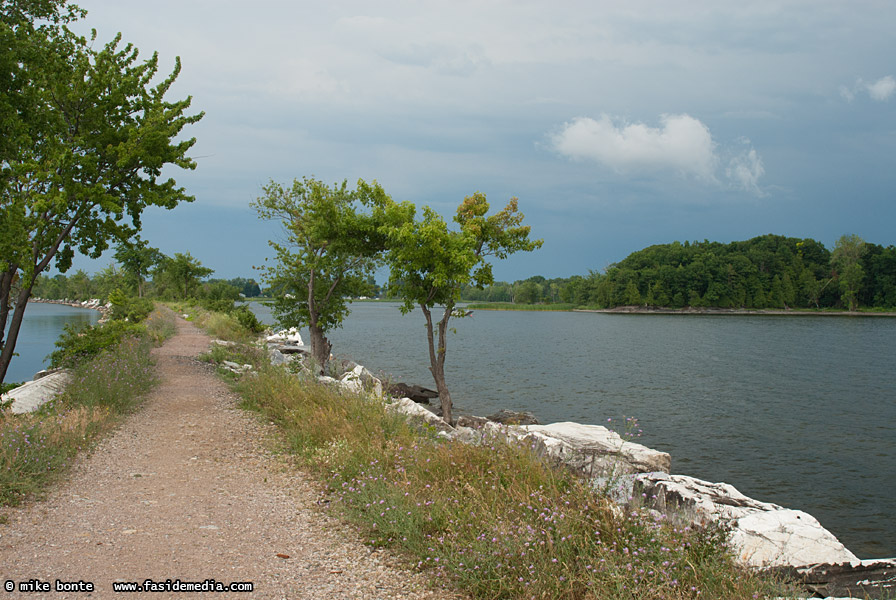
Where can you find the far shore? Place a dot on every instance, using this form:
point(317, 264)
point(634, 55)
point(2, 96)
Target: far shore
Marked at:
point(656, 310)
point(100, 308)
point(650, 310)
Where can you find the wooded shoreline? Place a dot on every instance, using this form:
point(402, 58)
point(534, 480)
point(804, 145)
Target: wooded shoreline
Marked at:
point(649, 310)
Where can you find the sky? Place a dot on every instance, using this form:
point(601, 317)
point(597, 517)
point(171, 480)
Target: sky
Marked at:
point(618, 125)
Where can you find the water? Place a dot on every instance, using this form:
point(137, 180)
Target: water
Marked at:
point(41, 327)
point(799, 411)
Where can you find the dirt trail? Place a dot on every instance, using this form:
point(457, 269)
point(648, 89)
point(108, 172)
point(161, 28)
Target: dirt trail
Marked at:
point(187, 489)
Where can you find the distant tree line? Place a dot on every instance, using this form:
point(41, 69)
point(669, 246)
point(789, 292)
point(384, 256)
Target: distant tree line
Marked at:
point(769, 271)
point(141, 271)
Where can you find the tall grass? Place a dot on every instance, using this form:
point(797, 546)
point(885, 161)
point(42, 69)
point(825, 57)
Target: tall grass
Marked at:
point(222, 326)
point(36, 448)
point(490, 519)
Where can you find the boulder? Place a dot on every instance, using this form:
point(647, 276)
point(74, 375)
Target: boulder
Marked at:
point(235, 367)
point(763, 535)
point(292, 349)
point(591, 451)
point(472, 421)
point(34, 394)
point(359, 379)
point(875, 578)
point(415, 412)
point(510, 417)
point(288, 336)
point(416, 393)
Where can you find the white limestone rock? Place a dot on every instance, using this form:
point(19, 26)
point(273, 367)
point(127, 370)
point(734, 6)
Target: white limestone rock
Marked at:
point(351, 381)
point(591, 450)
point(34, 394)
point(287, 336)
point(415, 412)
point(359, 379)
point(763, 535)
point(785, 537)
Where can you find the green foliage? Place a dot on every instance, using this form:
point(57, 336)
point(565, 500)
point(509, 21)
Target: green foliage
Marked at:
point(430, 264)
point(86, 133)
point(35, 449)
point(178, 277)
point(137, 259)
point(331, 247)
point(764, 272)
point(77, 345)
point(247, 287)
point(219, 296)
point(493, 519)
point(128, 308)
point(247, 319)
point(848, 251)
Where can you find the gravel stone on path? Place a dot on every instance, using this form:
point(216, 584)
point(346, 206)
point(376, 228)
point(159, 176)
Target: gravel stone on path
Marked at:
point(188, 488)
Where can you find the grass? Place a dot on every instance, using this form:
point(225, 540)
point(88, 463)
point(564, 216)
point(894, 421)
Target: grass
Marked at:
point(492, 520)
point(218, 325)
point(37, 448)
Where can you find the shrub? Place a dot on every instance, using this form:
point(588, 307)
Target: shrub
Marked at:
point(247, 319)
point(77, 345)
point(36, 448)
point(128, 308)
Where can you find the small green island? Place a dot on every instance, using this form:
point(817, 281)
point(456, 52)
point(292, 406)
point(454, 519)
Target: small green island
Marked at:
point(769, 274)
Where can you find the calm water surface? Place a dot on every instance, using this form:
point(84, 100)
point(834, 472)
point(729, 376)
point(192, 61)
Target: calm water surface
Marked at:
point(41, 327)
point(799, 411)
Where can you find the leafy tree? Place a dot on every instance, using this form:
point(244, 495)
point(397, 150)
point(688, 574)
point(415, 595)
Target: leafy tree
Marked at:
point(181, 273)
point(632, 296)
point(137, 259)
point(85, 138)
point(247, 287)
point(219, 296)
point(430, 264)
point(845, 259)
point(331, 248)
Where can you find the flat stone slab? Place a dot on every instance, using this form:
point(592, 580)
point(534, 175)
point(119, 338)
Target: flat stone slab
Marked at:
point(593, 450)
point(763, 535)
point(34, 394)
point(415, 412)
point(875, 578)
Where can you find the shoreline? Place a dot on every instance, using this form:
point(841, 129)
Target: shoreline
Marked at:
point(753, 312)
point(93, 304)
point(651, 310)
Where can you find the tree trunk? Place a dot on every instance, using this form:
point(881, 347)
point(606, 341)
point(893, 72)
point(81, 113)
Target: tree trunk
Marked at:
point(9, 344)
point(320, 346)
point(437, 359)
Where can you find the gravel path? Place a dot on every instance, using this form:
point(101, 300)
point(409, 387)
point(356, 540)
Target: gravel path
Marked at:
point(188, 489)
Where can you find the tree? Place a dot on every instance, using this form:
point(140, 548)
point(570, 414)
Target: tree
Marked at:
point(848, 250)
point(430, 264)
point(137, 259)
point(85, 138)
point(182, 274)
point(331, 248)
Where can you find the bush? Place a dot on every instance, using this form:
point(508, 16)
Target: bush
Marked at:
point(128, 308)
point(247, 319)
point(77, 345)
point(36, 448)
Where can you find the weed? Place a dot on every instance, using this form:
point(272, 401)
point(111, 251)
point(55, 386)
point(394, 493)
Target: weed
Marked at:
point(492, 518)
point(36, 448)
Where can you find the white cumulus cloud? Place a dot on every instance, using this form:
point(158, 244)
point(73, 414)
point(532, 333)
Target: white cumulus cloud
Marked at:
point(882, 89)
point(681, 143)
point(745, 169)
